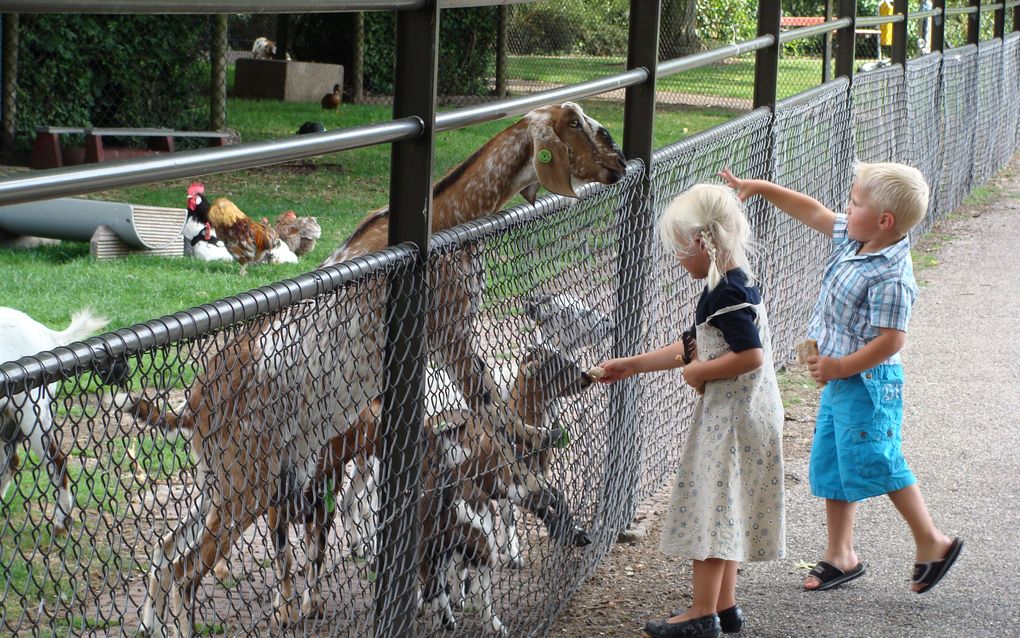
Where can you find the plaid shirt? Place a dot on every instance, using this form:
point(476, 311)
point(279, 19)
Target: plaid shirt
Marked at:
point(861, 293)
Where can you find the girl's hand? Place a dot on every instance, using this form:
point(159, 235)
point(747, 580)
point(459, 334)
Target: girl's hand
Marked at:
point(825, 369)
point(693, 377)
point(617, 369)
point(742, 186)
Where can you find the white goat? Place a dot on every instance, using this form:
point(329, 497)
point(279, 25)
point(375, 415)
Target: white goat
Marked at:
point(28, 415)
point(296, 380)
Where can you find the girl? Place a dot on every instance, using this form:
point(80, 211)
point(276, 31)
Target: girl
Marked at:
point(727, 501)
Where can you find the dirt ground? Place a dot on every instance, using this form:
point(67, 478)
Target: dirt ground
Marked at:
point(635, 582)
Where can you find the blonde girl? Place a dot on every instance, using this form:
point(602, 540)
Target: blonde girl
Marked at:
point(726, 504)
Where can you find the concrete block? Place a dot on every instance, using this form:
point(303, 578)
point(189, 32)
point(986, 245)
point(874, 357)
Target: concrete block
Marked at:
point(285, 80)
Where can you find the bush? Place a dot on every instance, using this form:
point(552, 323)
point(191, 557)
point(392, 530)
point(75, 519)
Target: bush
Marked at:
point(93, 70)
point(579, 27)
point(467, 48)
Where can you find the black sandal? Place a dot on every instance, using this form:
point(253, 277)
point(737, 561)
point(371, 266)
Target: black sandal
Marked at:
point(929, 573)
point(829, 576)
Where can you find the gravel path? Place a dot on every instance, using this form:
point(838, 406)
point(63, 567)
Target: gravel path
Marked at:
point(961, 437)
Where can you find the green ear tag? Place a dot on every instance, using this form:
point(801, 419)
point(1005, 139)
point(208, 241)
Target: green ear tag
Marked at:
point(330, 498)
point(564, 439)
point(545, 156)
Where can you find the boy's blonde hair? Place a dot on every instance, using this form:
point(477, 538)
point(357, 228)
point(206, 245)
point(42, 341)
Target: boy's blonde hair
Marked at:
point(712, 213)
point(896, 188)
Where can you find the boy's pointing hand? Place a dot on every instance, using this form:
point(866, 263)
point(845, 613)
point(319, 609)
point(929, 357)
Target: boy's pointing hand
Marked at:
point(742, 186)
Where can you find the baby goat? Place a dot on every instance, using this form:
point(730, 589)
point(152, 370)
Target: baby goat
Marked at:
point(468, 467)
point(28, 415)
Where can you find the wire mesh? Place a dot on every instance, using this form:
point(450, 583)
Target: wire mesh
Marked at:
point(814, 155)
point(960, 73)
point(744, 146)
point(879, 110)
point(923, 140)
point(989, 125)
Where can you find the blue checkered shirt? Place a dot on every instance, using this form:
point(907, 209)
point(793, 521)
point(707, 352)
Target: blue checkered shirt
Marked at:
point(861, 293)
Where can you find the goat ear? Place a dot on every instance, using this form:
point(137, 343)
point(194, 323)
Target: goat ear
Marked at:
point(552, 164)
point(530, 192)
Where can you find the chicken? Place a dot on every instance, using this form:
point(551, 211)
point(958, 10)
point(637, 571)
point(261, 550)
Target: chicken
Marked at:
point(248, 241)
point(299, 233)
point(331, 101)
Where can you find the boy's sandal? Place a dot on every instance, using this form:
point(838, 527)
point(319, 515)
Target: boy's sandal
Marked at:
point(929, 573)
point(829, 576)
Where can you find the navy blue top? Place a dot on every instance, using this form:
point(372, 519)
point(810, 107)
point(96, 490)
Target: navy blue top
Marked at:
point(738, 327)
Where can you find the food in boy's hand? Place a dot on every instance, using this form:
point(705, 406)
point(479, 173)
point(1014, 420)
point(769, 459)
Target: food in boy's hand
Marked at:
point(596, 373)
point(805, 349)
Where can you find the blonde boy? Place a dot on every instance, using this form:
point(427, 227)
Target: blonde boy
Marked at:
point(860, 323)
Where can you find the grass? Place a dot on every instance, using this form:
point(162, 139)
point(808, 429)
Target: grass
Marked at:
point(730, 79)
point(50, 283)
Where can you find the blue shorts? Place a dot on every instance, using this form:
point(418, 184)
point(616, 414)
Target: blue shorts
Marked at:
point(856, 450)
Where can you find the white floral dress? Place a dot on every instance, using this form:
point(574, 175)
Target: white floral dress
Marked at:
point(727, 500)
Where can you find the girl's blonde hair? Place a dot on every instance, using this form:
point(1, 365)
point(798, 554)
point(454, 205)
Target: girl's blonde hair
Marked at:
point(713, 214)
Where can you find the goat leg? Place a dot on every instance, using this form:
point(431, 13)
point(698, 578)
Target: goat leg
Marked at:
point(549, 505)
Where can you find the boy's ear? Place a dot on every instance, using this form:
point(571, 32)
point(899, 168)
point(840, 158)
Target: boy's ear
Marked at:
point(887, 221)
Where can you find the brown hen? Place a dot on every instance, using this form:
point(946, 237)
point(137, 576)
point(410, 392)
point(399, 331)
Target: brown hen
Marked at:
point(299, 233)
point(247, 240)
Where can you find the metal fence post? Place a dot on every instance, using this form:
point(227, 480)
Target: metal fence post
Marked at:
point(1016, 18)
point(623, 469)
point(974, 23)
point(999, 21)
point(899, 34)
point(827, 47)
point(938, 27)
point(766, 61)
point(9, 81)
point(846, 39)
point(501, 51)
point(218, 74)
point(406, 308)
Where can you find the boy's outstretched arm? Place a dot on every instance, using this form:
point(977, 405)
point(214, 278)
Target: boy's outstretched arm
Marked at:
point(805, 209)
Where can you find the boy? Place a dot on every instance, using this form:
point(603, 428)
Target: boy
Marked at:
point(860, 323)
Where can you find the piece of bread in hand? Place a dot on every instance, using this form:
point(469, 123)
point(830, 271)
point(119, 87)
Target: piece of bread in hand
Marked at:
point(596, 373)
point(805, 349)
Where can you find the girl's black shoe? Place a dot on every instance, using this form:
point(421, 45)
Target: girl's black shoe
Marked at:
point(730, 620)
point(704, 627)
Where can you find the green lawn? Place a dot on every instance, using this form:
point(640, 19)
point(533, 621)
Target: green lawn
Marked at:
point(730, 79)
point(50, 283)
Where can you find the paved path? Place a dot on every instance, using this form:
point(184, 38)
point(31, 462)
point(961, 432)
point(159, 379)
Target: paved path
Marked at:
point(962, 439)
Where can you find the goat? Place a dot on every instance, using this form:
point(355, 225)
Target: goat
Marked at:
point(27, 415)
point(467, 468)
point(289, 387)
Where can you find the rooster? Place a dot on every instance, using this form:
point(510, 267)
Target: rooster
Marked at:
point(299, 233)
point(248, 241)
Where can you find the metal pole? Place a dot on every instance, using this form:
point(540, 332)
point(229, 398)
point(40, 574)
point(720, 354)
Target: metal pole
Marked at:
point(827, 48)
point(1016, 18)
point(622, 469)
point(766, 61)
point(845, 40)
point(9, 71)
point(999, 22)
point(282, 35)
point(501, 51)
point(974, 23)
point(938, 27)
point(358, 59)
point(407, 303)
point(218, 74)
point(899, 34)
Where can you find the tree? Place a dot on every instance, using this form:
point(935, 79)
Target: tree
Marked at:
point(679, 29)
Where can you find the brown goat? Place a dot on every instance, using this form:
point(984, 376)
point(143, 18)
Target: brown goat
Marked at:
point(268, 403)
